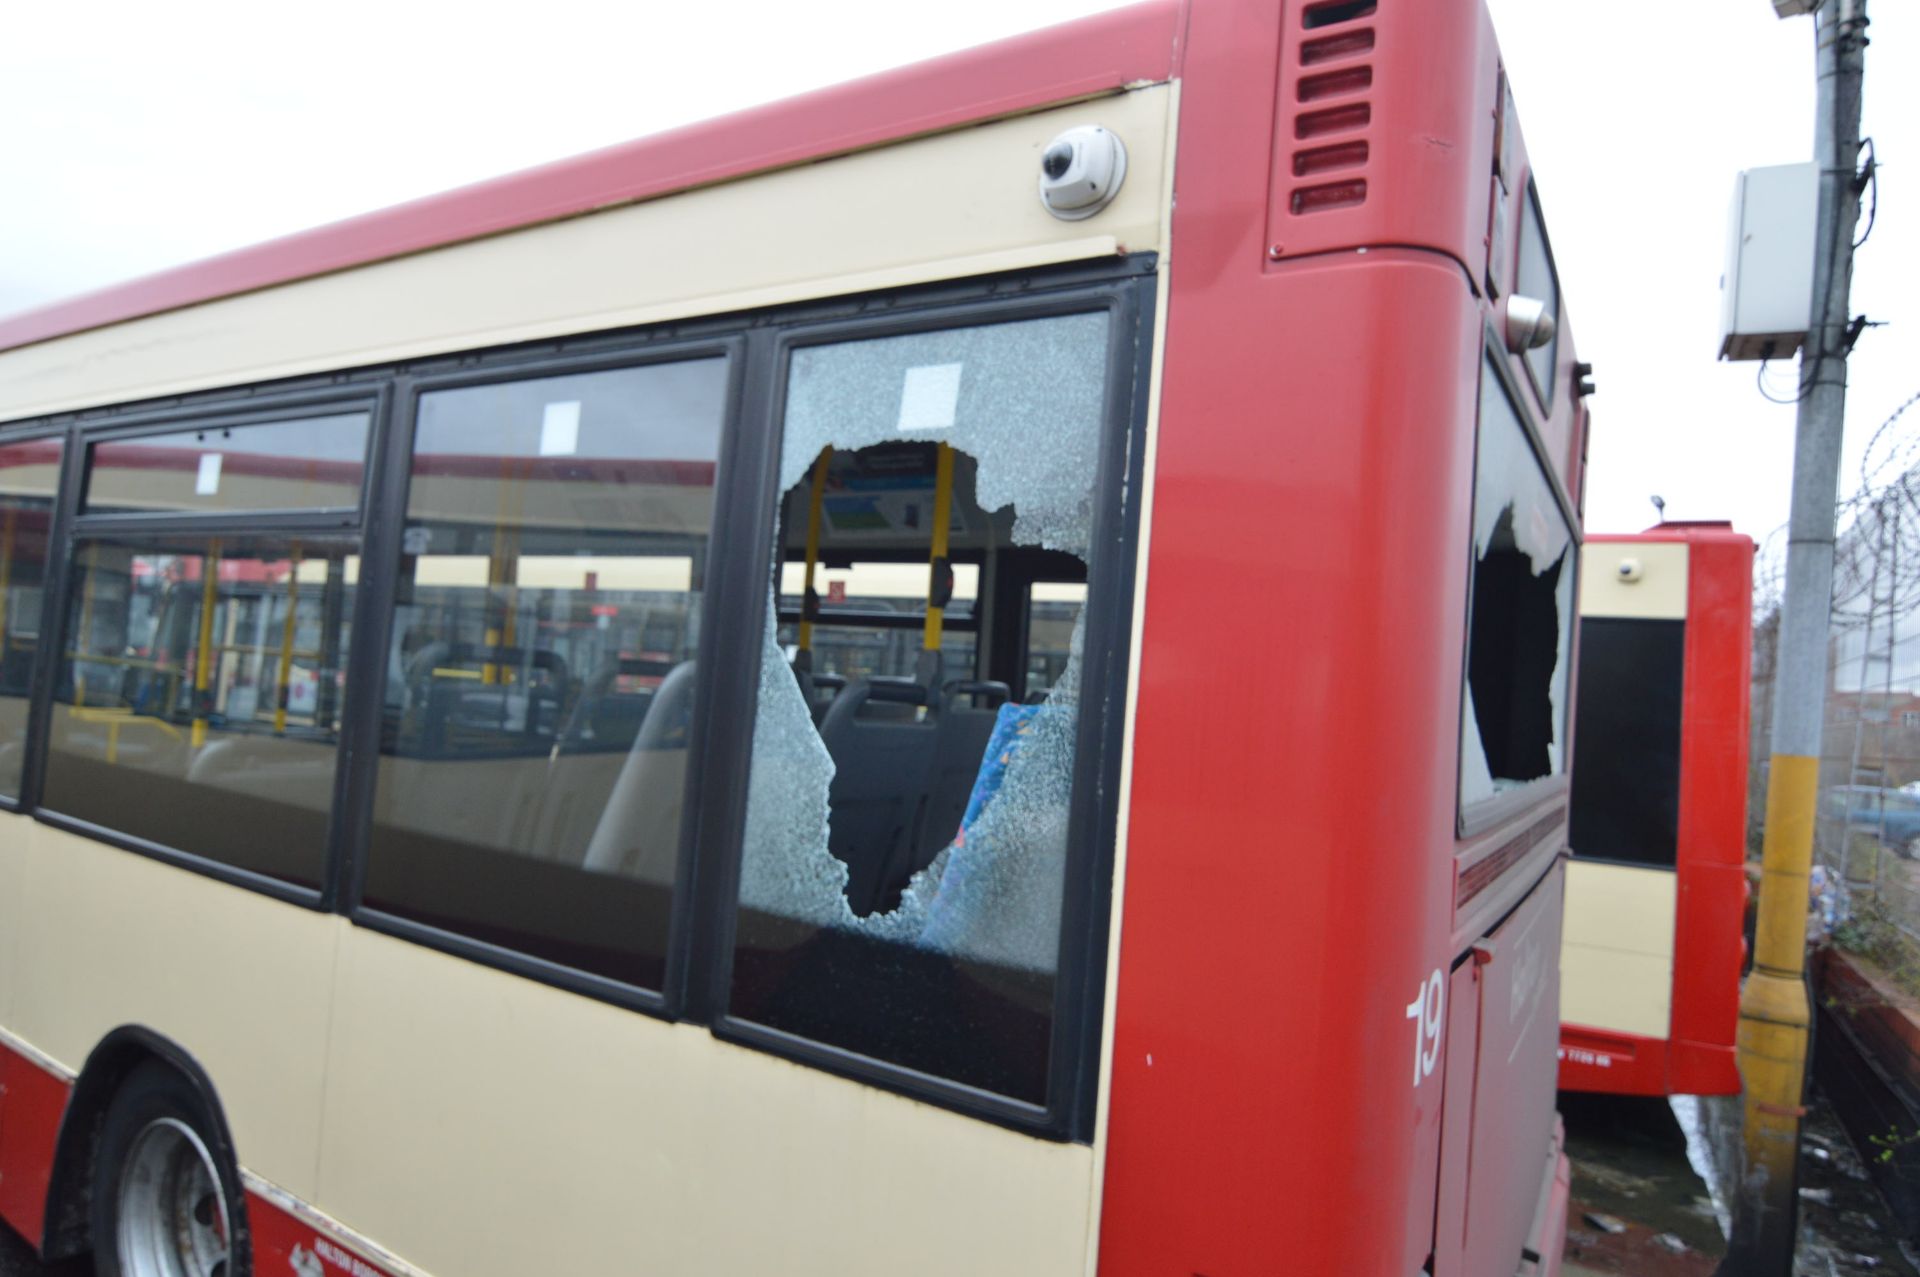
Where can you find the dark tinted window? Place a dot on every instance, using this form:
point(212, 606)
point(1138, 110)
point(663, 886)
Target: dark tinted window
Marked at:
point(540, 676)
point(1536, 280)
point(29, 482)
point(1513, 724)
point(310, 463)
point(906, 836)
point(199, 695)
point(1626, 761)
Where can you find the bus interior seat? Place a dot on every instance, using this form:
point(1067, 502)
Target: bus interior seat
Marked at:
point(882, 763)
point(968, 711)
point(818, 690)
point(636, 836)
point(603, 716)
point(439, 708)
point(902, 780)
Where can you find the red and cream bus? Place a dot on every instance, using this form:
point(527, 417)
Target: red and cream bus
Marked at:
point(1655, 939)
point(966, 674)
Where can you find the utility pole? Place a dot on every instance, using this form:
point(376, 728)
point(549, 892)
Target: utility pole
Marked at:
point(1774, 1012)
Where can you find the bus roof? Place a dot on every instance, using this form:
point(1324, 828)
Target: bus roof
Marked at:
point(1094, 55)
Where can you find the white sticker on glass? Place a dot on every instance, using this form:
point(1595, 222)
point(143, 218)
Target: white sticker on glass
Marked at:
point(930, 396)
point(560, 429)
point(208, 482)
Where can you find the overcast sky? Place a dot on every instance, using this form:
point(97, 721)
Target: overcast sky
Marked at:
point(141, 135)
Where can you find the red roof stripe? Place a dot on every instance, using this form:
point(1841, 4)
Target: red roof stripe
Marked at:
point(1093, 55)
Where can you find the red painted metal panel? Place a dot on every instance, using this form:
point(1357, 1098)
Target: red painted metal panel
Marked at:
point(1384, 132)
point(1262, 1042)
point(1513, 1083)
point(1709, 943)
point(32, 1101)
point(1617, 1063)
point(1291, 844)
point(284, 1245)
point(1551, 1245)
point(1095, 55)
point(1710, 852)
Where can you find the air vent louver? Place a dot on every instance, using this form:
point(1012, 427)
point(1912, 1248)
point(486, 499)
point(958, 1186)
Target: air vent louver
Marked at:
point(1330, 109)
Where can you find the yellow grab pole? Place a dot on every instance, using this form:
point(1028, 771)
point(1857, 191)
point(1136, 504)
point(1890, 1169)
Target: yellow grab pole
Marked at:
point(503, 568)
point(209, 587)
point(809, 602)
point(939, 590)
point(81, 639)
point(286, 643)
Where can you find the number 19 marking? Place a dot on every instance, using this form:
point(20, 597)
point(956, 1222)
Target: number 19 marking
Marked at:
point(1426, 1011)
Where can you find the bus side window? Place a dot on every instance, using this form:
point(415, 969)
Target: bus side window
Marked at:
point(194, 715)
point(539, 674)
point(904, 862)
point(198, 695)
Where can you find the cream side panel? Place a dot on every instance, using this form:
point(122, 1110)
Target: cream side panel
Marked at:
point(14, 833)
point(941, 207)
point(239, 980)
point(1659, 593)
point(481, 1125)
point(1163, 288)
point(1616, 953)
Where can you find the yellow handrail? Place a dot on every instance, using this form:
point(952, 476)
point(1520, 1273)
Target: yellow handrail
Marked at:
point(209, 588)
point(115, 719)
point(808, 604)
point(937, 592)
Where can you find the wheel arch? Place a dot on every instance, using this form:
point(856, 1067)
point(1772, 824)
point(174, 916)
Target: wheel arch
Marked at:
point(112, 1060)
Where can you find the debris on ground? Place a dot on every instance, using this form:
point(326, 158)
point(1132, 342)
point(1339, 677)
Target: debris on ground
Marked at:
point(1605, 1223)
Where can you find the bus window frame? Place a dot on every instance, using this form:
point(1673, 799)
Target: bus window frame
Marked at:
point(71, 525)
point(1080, 971)
point(52, 588)
point(1474, 819)
point(740, 557)
point(381, 557)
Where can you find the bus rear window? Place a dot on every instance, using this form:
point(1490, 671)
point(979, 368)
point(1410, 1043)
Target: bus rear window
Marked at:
point(907, 833)
point(1626, 771)
point(1514, 714)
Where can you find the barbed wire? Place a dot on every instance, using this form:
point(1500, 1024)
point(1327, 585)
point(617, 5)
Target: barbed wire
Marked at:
point(1876, 560)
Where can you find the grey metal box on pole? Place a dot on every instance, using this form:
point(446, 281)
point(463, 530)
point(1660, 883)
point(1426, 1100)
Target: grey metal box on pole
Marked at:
point(1766, 293)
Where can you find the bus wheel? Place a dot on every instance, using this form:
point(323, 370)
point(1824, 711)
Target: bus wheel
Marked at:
point(162, 1206)
point(1911, 850)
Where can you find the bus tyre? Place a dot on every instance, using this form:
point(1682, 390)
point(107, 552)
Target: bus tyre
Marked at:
point(1910, 849)
point(164, 1203)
